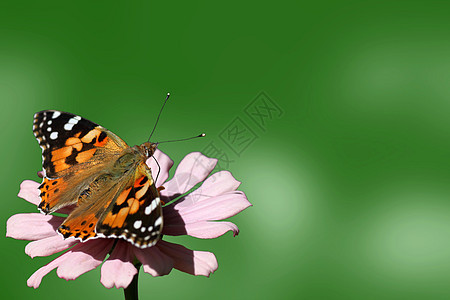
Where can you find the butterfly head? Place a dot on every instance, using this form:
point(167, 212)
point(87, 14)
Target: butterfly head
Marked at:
point(149, 148)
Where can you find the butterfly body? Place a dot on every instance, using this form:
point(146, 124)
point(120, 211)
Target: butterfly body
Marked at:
point(107, 182)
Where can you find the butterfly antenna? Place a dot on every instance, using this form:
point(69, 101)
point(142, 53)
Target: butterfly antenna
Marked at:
point(159, 169)
point(157, 119)
point(193, 137)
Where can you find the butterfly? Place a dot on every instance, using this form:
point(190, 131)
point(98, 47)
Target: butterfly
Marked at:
point(107, 181)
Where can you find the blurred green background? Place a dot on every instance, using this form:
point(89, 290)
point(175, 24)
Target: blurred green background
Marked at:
point(348, 174)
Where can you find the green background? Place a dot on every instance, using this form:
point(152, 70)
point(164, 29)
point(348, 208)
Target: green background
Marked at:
point(350, 185)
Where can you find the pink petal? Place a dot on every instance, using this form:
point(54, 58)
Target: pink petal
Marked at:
point(30, 192)
point(202, 230)
point(48, 246)
point(32, 226)
point(217, 184)
point(164, 162)
point(35, 280)
point(82, 258)
point(193, 169)
point(118, 270)
point(189, 261)
point(155, 262)
point(215, 208)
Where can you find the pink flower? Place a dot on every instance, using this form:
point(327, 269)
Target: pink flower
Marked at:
point(194, 214)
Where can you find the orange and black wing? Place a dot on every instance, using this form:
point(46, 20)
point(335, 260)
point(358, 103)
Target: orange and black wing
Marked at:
point(74, 150)
point(136, 213)
point(130, 211)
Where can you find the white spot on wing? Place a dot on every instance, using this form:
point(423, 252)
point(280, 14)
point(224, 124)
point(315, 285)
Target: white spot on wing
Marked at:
point(54, 135)
point(56, 114)
point(148, 209)
point(158, 221)
point(68, 126)
point(73, 120)
point(152, 206)
point(137, 224)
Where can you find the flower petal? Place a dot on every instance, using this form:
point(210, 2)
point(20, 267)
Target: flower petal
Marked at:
point(155, 262)
point(118, 270)
point(215, 208)
point(35, 280)
point(202, 230)
point(83, 257)
point(165, 163)
point(32, 226)
point(194, 168)
point(48, 246)
point(80, 259)
point(29, 190)
point(217, 184)
point(189, 261)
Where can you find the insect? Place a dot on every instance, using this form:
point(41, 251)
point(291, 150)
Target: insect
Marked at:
point(107, 181)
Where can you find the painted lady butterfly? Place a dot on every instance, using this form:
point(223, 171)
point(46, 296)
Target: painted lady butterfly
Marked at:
point(109, 183)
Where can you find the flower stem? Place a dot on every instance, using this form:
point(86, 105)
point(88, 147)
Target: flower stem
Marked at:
point(131, 292)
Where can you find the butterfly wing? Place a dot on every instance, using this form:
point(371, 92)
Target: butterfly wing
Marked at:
point(136, 213)
point(129, 209)
point(73, 150)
